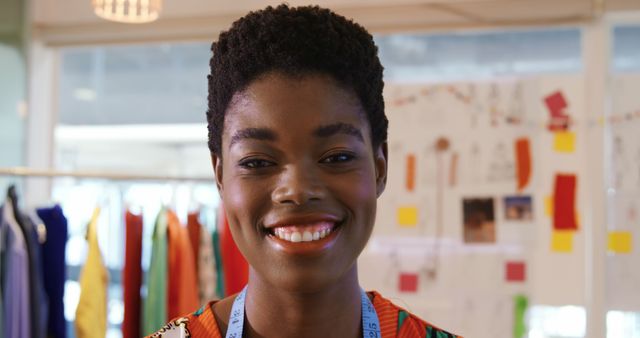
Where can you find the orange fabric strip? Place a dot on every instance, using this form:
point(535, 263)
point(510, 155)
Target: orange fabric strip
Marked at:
point(523, 162)
point(411, 172)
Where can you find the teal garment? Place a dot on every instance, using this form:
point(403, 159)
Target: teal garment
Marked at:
point(215, 239)
point(154, 313)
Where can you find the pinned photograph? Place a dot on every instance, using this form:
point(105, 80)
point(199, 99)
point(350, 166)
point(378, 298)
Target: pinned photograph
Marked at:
point(479, 220)
point(518, 208)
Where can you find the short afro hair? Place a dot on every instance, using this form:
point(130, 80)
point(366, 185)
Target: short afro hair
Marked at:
point(296, 42)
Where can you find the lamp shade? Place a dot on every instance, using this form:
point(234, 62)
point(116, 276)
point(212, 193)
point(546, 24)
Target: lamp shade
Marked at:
point(128, 11)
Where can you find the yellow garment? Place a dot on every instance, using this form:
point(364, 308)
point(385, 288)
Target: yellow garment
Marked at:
point(91, 315)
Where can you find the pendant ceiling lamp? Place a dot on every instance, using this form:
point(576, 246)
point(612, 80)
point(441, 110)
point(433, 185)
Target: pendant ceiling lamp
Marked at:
point(128, 11)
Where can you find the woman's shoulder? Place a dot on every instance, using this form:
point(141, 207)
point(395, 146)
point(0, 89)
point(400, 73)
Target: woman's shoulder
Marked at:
point(201, 323)
point(398, 322)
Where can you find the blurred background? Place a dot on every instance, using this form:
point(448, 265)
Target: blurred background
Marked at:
point(513, 204)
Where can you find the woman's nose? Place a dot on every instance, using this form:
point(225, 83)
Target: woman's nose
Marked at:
point(298, 185)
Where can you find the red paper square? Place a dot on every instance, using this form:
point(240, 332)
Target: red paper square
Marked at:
point(408, 282)
point(564, 203)
point(516, 272)
point(556, 104)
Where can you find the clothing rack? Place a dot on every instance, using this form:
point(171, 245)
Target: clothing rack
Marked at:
point(29, 172)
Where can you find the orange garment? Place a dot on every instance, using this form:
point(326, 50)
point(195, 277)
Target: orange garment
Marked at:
point(194, 228)
point(395, 322)
point(182, 288)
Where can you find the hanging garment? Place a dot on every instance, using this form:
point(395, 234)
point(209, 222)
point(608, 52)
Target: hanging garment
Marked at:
point(132, 276)
point(183, 286)
point(206, 268)
point(215, 240)
point(155, 303)
point(236, 269)
point(194, 226)
point(91, 314)
point(38, 305)
point(54, 267)
point(15, 289)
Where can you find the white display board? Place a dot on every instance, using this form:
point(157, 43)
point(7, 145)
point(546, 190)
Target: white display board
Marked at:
point(623, 275)
point(449, 281)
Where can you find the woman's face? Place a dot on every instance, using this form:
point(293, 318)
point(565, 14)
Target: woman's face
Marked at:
point(299, 179)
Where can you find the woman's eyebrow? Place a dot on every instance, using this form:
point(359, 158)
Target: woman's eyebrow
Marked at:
point(338, 128)
point(263, 134)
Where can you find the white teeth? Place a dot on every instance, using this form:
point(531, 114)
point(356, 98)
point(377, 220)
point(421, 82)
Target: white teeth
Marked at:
point(307, 236)
point(296, 237)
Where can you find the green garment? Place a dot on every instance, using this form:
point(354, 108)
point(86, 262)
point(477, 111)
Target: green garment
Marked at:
point(154, 313)
point(215, 239)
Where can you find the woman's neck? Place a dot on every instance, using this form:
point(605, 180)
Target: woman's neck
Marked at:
point(334, 311)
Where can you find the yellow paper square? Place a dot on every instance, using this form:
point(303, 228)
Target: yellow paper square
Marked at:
point(407, 216)
point(564, 142)
point(562, 241)
point(620, 242)
point(548, 206)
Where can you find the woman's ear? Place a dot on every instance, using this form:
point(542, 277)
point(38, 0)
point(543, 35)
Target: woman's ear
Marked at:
point(216, 162)
point(381, 164)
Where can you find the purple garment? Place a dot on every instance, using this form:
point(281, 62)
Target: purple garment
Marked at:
point(54, 272)
point(16, 285)
point(37, 297)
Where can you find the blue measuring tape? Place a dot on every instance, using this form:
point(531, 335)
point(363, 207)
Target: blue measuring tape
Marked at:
point(370, 323)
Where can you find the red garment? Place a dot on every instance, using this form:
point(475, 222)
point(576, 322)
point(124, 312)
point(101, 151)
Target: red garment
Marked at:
point(235, 267)
point(194, 227)
point(132, 275)
point(182, 288)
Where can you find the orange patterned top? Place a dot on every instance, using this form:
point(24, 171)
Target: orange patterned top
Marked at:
point(395, 322)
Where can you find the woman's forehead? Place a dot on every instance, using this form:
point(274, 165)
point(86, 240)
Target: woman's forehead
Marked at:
point(281, 102)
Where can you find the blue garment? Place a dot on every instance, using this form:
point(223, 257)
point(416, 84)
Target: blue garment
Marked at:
point(37, 296)
point(15, 288)
point(54, 272)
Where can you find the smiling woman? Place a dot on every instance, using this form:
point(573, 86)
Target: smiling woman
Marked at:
point(297, 133)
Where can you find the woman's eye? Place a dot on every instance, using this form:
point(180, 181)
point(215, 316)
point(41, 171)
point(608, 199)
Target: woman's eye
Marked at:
point(255, 164)
point(338, 158)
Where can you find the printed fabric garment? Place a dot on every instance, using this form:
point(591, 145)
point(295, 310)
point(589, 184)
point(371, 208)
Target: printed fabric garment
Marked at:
point(155, 303)
point(15, 289)
point(91, 314)
point(206, 268)
point(395, 322)
point(38, 305)
point(132, 275)
point(54, 267)
point(182, 291)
